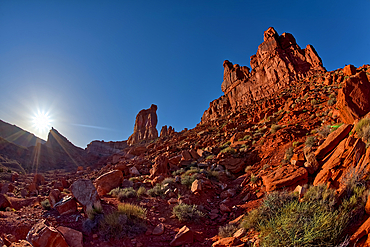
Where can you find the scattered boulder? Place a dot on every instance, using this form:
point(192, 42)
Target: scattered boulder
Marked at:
point(38, 179)
point(232, 164)
point(286, 176)
point(159, 229)
point(108, 181)
point(42, 235)
point(226, 242)
point(160, 166)
point(4, 202)
point(196, 186)
point(67, 205)
point(54, 197)
point(145, 126)
point(73, 238)
point(184, 236)
point(85, 192)
point(353, 98)
point(333, 140)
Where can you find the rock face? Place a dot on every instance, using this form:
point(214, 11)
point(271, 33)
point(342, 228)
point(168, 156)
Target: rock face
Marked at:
point(279, 61)
point(353, 97)
point(106, 148)
point(145, 126)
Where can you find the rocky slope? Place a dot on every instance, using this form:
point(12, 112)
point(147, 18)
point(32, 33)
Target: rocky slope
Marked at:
point(309, 132)
point(17, 135)
point(279, 61)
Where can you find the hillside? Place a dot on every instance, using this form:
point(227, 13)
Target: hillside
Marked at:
point(18, 136)
point(285, 125)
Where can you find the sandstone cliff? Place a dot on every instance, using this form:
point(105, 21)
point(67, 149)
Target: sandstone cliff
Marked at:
point(278, 62)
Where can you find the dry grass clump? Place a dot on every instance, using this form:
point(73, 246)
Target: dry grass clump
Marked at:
point(227, 230)
point(127, 221)
point(363, 129)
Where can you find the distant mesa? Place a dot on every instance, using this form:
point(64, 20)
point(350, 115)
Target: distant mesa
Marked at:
point(145, 126)
point(278, 62)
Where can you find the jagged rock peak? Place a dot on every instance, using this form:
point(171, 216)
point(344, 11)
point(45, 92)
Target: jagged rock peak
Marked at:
point(278, 62)
point(145, 126)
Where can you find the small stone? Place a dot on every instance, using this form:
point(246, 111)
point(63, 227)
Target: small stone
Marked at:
point(159, 229)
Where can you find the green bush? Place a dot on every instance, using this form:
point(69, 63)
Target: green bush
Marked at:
point(122, 194)
point(282, 220)
point(46, 204)
point(314, 102)
point(185, 212)
point(157, 190)
point(229, 150)
point(188, 180)
point(141, 191)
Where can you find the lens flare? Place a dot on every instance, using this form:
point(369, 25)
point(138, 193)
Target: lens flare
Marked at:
point(41, 121)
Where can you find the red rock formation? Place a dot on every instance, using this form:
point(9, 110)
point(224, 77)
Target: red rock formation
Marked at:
point(353, 97)
point(105, 148)
point(145, 126)
point(167, 131)
point(278, 62)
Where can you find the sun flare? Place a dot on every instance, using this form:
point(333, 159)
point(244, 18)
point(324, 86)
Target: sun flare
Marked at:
point(41, 120)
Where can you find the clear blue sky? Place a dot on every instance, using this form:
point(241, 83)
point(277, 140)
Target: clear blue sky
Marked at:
point(93, 65)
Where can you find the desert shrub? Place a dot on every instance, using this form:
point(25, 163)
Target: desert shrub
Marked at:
point(157, 190)
point(282, 220)
point(213, 174)
point(141, 191)
point(46, 204)
point(314, 102)
point(127, 221)
point(247, 169)
point(226, 144)
point(254, 178)
point(94, 211)
point(324, 131)
point(332, 101)
point(178, 172)
point(274, 128)
point(310, 141)
point(168, 181)
point(227, 230)
point(209, 157)
point(228, 150)
point(288, 155)
point(322, 195)
point(122, 194)
point(186, 212)
point(188, 179)
point(363, 129)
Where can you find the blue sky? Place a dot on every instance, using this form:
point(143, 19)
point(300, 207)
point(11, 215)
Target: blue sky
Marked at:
point(93, 65)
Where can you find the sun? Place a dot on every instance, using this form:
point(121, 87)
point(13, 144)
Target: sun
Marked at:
point(42, 121)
